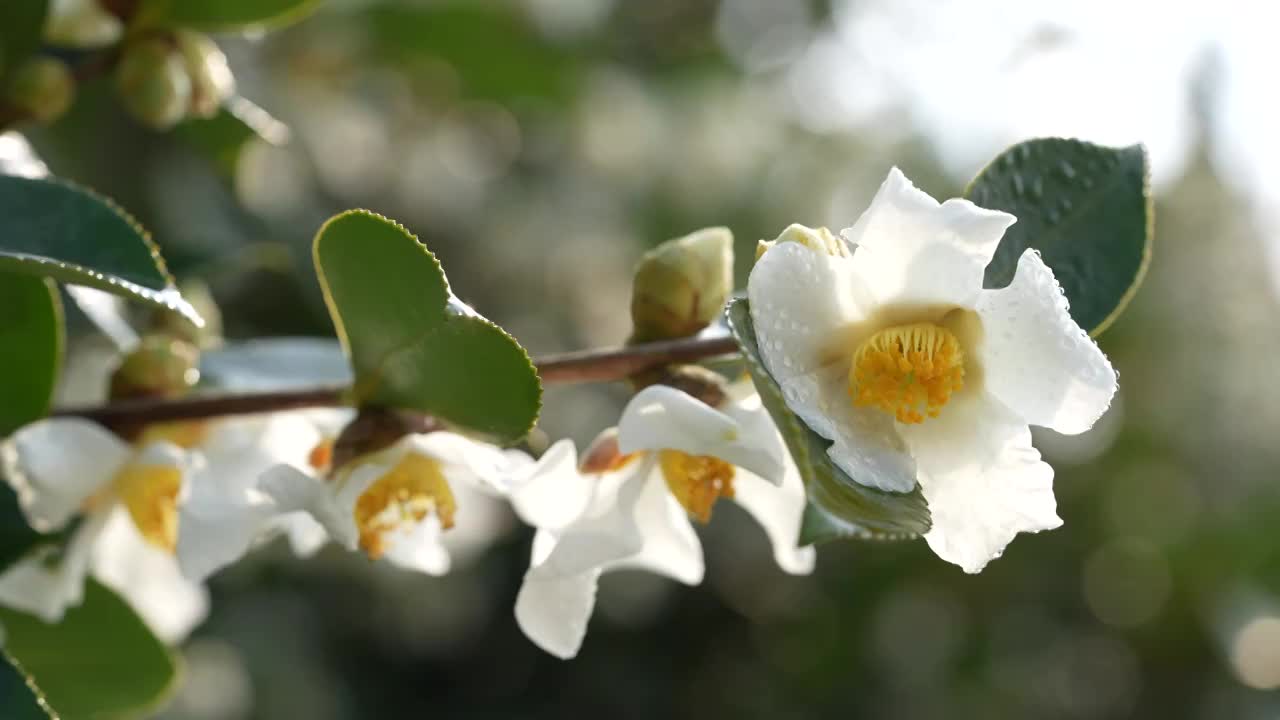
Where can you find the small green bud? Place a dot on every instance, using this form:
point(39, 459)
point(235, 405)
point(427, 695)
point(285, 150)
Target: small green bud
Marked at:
point(42, 88)
point(153, 82)
point(682, 285)
point(161, 366)
point(211, 79)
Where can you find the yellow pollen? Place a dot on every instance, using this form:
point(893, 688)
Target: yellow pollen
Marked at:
point(150, 493)
point(696, 481)
point(908, 371)
point(402, 498)
point(187, 434)
point(321, 456)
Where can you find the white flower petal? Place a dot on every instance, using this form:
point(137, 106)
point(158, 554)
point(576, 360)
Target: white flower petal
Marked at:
point(779, 511)
point(552, 493)
point(912, 250)
point(664, 418)
point(1036, 359)
point(33, 586)
point(149, 579)
point(306, 536)
point(419, 548)
point(983, 480)
point(214, 532)
point(296, 492)
point(238, 450)
point(55, 465)
point(480, 520)
point(481, 464)
point(865, 441)
point(670, 544)
point(553, 610)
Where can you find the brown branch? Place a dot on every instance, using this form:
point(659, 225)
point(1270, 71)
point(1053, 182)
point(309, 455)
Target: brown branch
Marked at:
point(584, 366)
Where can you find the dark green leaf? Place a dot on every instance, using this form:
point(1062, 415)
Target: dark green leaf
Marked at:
point(31, 335)
point(16, 536)
point(101, 661)
point(411, 343)
point(838, 507)
point(21, 30)
point(56, 229)
point(224, 136)
point(226, 15)
point(1087, 209)
point(19, 701)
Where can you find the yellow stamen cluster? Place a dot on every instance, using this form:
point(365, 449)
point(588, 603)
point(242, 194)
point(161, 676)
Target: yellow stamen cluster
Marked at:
point(696, 481)
point(908, 371)
point(150, 493)
point(403, 497)
point(817, 239)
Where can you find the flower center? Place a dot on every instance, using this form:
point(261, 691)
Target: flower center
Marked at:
point(909, 371)
point(401, 499)
point(321, 456)
point(150, 493)
point(696, 481)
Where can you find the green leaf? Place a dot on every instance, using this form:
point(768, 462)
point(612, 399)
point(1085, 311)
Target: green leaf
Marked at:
point(1088, 210)
point(838, 507)
point(31, 334)
point(411, 343)
point(21, 31)
point(225, 15)
point(101, 661)
point(18, 700)
point(56, 229)
point(225, 136)
point(16, 536)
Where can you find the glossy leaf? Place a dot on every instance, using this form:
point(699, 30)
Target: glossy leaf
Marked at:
point(19, 701)
point(101, 661)
point(411, 343)
point(1088, 210)
point(225, 136)
point(838, 507)
point(31, 334)
point(226, 15)
point(55, 229)
point(21, 30)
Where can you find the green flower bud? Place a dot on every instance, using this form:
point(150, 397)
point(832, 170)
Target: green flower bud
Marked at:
point(211, 79)
point(42, 88)
point(161, 366)
point(170, 322)
point(153, 82)
point(681, 285)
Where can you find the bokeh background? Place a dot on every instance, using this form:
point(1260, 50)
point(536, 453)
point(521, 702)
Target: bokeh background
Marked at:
point(539, 146)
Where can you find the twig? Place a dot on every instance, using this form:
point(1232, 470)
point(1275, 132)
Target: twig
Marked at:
point(575, 367)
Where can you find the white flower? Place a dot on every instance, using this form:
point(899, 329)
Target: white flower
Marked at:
point(398, 502)
point(890, 347)
point(129, 500)
point(671, 457)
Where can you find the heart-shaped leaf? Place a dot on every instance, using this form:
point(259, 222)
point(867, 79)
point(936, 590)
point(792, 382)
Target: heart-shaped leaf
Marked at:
point(55, 229)
point(226, 15)
point(225, 136)
point(1088, 210)
point(838, 507)
point(31, 335)
point(101, 661)
point(411, 343)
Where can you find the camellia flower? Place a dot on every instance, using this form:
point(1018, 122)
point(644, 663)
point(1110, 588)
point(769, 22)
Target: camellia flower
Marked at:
point(889, 346)
point(129, 502)
point(398, 502)
point(671, 458)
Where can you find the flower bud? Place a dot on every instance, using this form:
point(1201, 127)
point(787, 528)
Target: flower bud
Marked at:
point(42, 88)
point(82, 24)
point(153, 82)
point(211, 79)
point(682, 285)
point(161, 366)
point(374, 429)
point(170, 322)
